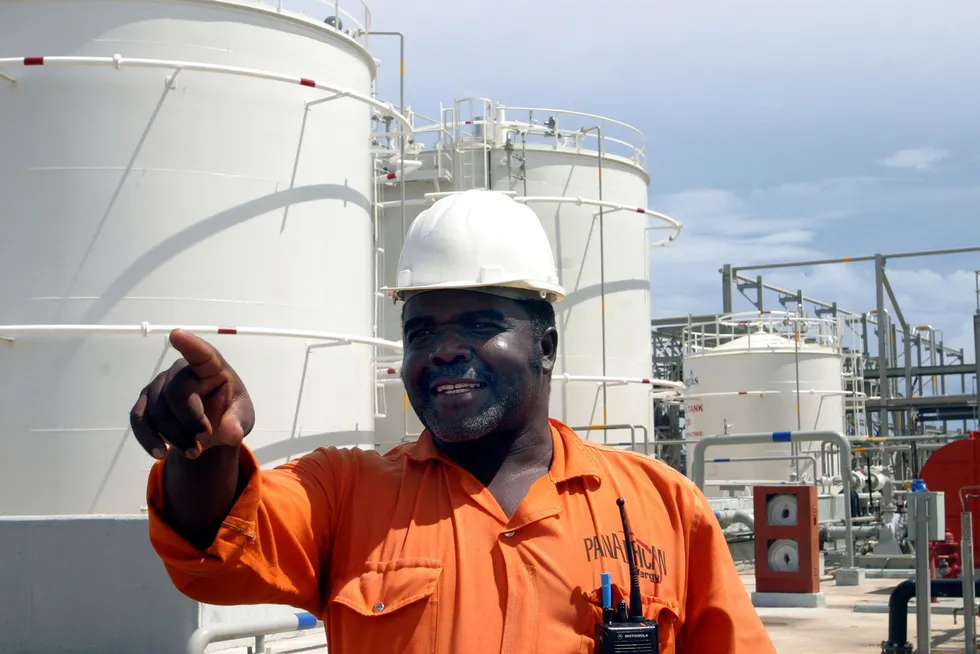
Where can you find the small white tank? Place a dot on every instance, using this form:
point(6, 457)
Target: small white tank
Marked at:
point(216, 197)
point(745, 373)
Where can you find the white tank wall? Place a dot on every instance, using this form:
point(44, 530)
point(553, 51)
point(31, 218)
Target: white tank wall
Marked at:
point(574, 236)
point(222, 201)
point(398, 419)
point(761, 362)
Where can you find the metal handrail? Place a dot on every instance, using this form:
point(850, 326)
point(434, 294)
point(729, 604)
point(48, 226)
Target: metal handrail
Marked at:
point(698, 337)
point(361, 25)
point(638, 149)
point(632, 429)
point(451, 126)
point(789, 457)
point(258, 629)
point(844, 455)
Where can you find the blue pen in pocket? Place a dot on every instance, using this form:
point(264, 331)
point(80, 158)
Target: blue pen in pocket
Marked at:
point(607, 607)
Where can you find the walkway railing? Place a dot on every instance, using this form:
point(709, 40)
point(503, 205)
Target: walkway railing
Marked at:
point(257, 629)
point(726, 328)
point(356, 22)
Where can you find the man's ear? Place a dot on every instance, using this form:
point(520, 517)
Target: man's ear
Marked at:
point(549, 349)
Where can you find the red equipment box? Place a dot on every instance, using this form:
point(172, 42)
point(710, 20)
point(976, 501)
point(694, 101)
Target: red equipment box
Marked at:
point(786, 539)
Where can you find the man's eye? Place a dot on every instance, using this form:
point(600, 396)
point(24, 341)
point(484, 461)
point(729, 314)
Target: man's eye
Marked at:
point(416, 335)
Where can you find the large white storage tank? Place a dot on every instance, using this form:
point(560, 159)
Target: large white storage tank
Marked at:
point(550, 160)
point(131, 196)
point(745, 373)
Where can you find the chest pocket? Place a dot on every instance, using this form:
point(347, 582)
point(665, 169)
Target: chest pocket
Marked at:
point(392, 602)
point(665, 612)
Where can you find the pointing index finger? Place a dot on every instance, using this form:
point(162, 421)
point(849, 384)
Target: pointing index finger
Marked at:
point(200, 355)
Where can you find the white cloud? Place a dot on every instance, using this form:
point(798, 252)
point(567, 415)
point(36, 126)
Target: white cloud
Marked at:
point(915, 158)
point(722, 227)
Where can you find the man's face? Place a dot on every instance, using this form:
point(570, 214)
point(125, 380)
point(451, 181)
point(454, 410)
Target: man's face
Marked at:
point(473, 363)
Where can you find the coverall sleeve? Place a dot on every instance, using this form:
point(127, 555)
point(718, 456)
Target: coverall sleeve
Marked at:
point(720, 617)
point(272, 546)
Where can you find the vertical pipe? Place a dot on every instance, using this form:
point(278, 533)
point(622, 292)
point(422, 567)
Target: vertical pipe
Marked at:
point(963, 379)
point(794, 447)
point(969, 596)
point(882, 347)
point(602, 276)
point(401, 177)
point(864, 335)
point(976, 352)
point(726, 288)
point(759, 292)
point(922, 581)
point(909, 390)
point(524, 159)
point(918, 362)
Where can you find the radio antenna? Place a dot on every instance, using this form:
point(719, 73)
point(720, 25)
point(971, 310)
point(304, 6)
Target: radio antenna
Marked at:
point(636, 604)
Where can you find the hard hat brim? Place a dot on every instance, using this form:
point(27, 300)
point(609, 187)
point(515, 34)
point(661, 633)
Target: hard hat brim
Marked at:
point(519, 290)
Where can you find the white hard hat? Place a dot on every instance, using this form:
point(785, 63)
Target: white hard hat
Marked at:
point(478, 240)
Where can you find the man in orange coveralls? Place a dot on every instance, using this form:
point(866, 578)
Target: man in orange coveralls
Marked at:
point(488, 534)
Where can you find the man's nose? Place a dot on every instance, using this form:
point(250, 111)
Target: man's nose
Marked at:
point(450, 349)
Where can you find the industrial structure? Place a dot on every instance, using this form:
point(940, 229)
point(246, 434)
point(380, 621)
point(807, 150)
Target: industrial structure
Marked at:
point(227, 166)
point(889, 386)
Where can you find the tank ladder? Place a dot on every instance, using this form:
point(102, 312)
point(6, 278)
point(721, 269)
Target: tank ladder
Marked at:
point(854, 402)
point(472, 121)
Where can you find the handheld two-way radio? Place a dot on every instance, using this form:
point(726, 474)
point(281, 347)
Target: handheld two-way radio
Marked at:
point(619, 632)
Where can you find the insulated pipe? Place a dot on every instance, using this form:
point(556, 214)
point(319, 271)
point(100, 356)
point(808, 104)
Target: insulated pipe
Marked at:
point(257, 629)
point(703, 443)
point(898, 609)
point(731, 516)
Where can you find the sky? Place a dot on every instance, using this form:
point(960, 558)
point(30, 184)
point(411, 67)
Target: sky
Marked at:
point(776, 131)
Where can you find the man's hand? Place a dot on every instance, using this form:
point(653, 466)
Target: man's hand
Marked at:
point(199, 403)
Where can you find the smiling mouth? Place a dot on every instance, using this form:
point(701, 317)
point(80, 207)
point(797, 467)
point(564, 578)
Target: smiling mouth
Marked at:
point(457, 389)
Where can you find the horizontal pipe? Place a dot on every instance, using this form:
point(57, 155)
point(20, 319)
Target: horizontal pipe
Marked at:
point(648, 381)
point(145, 329)
point(820, 262)
point(731, 516)
point(624, 380)
point(898, 607)
point(118, 62)
point(790, 457)
point(204, 636)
